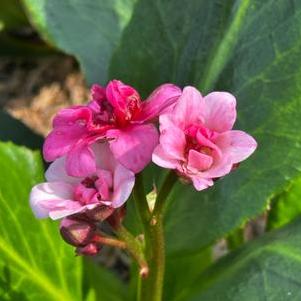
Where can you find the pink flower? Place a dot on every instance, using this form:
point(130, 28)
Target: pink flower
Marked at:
point(117, 114)
point(110, 185)
point(197, 139)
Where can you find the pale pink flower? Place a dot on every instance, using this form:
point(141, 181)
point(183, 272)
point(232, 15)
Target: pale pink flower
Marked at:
point(116, 114)
point(197, 139)
point(110, 185)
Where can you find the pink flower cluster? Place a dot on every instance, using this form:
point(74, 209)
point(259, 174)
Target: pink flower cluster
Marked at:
point(98, 148)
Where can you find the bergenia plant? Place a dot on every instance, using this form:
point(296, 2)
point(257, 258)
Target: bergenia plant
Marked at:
point(98, 150)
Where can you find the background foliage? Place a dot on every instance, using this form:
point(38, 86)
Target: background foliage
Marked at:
point(250, 48)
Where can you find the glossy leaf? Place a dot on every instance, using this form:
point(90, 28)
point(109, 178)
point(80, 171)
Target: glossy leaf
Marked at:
point(224, 46)
point(35, 263)
point(286, 206)
point(266, 269)
point(87, 29)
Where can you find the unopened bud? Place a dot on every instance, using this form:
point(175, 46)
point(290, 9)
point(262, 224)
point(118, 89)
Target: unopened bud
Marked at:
point(77, 232)
point(90, 249)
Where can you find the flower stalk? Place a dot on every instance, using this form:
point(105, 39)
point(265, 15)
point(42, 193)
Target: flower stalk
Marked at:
point(151, 289)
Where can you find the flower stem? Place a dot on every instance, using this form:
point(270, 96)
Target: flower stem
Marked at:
point(152, 287)
point(110, 242)
point(166, 188)
point(135, 248)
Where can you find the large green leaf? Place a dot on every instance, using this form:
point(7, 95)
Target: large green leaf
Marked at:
point(266, 269)
point(87, 29)
point(35, 263)
point(286, 206)
point(250, 48)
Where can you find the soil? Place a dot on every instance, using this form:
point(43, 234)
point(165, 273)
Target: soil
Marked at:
point(34, 89)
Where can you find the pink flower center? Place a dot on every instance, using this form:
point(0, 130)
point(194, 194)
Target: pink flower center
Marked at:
point(201, 139)
point(92, 190)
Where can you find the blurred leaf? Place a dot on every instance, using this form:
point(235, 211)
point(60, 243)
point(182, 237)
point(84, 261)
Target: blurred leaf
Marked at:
point(87, 29)
point(224, 45)
point(286, 206)
point(266, 269)
point(102, 285)
point(182, 271)
point(15, 131)
point(35, 263)
point(12, 15)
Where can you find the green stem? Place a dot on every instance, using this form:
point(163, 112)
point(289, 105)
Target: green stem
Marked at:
point(166, 188)
point(151, 289)
point(135, 248)
point(141, 202)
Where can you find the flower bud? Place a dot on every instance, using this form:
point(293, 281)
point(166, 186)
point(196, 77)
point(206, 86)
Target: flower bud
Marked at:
point(90, 249)
point(77, 232)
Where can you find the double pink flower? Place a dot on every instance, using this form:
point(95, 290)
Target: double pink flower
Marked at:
point(197, 139)
point(115, 114)
point(109, 186)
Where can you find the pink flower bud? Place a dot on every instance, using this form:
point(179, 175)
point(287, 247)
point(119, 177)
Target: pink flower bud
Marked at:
point(90, 249)
point(77, 232)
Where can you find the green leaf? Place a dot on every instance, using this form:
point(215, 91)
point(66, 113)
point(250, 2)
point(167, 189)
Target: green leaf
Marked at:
point(12, 15)
point(224, 45)
point(87, 29)
point(182, 271)
point(102, 285)
point(35, 263)
point(286, 206)
point(266, 269)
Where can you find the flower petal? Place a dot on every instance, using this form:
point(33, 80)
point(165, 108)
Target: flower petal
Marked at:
point(200, 183)
point(189, 108)
point(238, 144)
point(163, 159)
point(45, 196)
point(133, 146)
point(73, 116)
point(60, 141)
point(124, 181)
point(56, 172)
point(173, 142)
point(80, 161)
point(159, 101)
point(198, 161)
point(70, 125)
point(220, 111)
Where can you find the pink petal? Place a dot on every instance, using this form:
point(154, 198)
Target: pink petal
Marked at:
point(220, 167)
point(61, 140)
point(220, 111)
point(133, 146)
point(198, 161)
point(163, 159)
point(200, 183)
point(189, 108)
point(56, 172)
point(80, 161)
point(124, 181)
point(161, 99)
point(124, 99)
point(173, 142)
point(45, 196)
point(238, 144)
point(104, 157)
point(73, 116)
